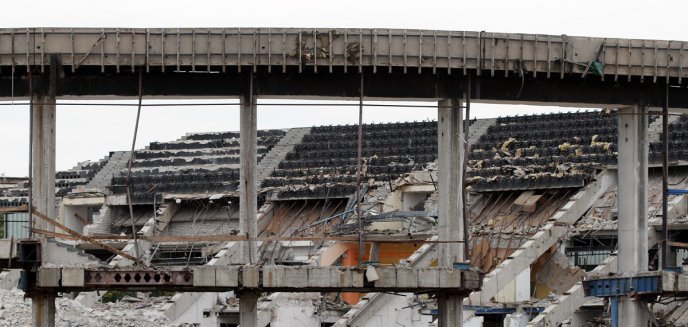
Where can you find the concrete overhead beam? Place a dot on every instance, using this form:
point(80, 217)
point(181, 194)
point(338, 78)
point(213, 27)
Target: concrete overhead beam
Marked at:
point(277, 49)
point(251, 278)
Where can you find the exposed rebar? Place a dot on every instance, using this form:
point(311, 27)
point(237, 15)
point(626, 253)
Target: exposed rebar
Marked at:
point(30, 204)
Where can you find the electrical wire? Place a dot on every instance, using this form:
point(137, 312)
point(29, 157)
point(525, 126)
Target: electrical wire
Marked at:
point(224, 104)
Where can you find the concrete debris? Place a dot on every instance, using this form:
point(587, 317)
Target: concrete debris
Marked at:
point(15, 311)
point(558, 275)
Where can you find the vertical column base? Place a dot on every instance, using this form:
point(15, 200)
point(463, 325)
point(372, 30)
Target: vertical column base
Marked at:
point(632, 203)
point(450, 310)
point(631, 312)
point(248, 309)
point(43, 310)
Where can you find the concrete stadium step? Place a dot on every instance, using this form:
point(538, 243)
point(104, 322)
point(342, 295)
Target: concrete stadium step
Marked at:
point(479, 128)
point(65, 253)
point(101, 182)
point(279, 152)
point(654, 131)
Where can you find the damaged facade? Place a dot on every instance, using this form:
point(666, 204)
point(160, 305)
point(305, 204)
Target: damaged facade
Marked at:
point(527, 177)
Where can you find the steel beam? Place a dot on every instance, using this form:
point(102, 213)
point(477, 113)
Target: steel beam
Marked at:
point(632, 204)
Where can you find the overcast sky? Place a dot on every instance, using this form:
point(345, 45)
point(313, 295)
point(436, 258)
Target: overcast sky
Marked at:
point(90, 132)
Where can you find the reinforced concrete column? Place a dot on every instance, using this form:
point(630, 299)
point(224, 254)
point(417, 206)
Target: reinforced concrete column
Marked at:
point(248, 206)
point(450, 226)
point(632, 204)
point(43, 157)
point(43, 309)
point(43, 191)
point(248, 193)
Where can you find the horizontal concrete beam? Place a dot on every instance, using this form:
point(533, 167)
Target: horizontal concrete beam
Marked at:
point(308, 63)
point(213, 49)
point(264, 279)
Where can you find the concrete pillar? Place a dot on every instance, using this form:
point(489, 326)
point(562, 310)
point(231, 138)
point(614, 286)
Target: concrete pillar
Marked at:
point(248, 309)
point(450, 148)
point(43, 191)
point(43, 157)
point(43, 309)
point(248, 206)
point(248, 194)
point(632, 203)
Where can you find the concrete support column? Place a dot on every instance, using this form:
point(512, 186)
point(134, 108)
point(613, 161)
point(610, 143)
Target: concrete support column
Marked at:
point(43, 157)
point(248, 206)
point(450, 228)
point(632, 203)
point(248, 192)
point(43, 191)
point(43, 309)
point(248, 309)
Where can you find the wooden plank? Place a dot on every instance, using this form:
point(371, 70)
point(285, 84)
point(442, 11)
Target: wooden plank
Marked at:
point(21, 208)
point(81, 219)
point(679, 245)
point(84, 237)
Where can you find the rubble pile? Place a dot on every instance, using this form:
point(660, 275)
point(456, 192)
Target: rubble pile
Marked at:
point(15, 311)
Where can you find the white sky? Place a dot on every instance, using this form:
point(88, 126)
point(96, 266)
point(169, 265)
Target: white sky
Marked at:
point(89, 132)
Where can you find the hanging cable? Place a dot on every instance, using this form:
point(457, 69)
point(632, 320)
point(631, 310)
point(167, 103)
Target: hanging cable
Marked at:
point(30, 204)
point(361, 244)
point(466, 148)
point(131, 160)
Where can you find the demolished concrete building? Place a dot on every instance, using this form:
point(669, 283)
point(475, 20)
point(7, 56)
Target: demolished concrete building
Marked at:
point(375, 225)
point(541, 211)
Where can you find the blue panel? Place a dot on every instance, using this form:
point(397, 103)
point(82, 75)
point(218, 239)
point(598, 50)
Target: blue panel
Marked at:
point(622, 286)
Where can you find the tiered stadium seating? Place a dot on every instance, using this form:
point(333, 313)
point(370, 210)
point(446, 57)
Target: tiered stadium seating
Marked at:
point(199, 163)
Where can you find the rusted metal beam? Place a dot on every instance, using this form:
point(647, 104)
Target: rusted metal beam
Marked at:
point(238, 238)
point(134, 278)
point(84, 237)
point(81, 219)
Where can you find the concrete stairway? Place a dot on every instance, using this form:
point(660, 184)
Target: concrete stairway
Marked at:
point(55, 252)
point(101, 181)
point(479, 128)
point(270, 161)
point(654, 131)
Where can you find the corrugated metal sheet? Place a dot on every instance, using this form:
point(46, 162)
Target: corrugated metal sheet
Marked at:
point(16, 225)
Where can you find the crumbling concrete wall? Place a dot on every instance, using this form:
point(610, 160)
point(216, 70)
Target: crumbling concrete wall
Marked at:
point(192, 311)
